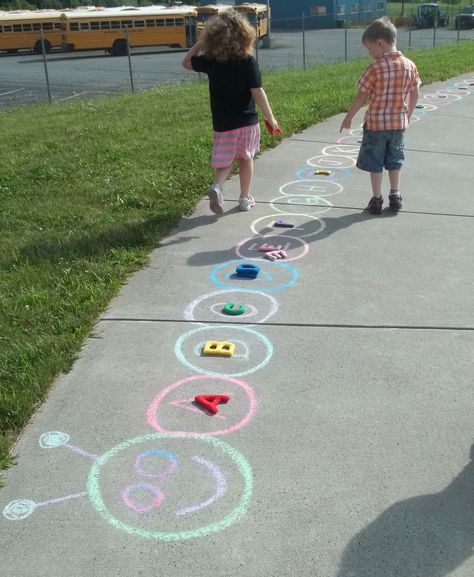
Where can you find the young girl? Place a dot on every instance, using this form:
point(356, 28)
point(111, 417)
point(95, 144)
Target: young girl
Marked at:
point(224, 53)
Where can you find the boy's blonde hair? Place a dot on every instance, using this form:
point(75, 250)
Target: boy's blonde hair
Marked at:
point(228, 36)
point(380, 29)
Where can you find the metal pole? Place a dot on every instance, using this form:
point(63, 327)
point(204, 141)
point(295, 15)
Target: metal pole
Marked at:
point(43, 50)
point(434, 31)
point(459, 28)
point(409, 39)
point(345, 44)
point(269, 26)
point(129, 59)
point(304, 41)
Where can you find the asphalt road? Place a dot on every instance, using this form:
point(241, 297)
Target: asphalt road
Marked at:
point(90, 74)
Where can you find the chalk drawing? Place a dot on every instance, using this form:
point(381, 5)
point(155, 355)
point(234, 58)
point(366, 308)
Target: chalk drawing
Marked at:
point(243, 402)
point(105, 467)
point(306, 226)
point(227, 366)
point(314, 186)
point(221, 487)
point(158, 497)
point(312, 204)
point(22, 508)
point(242, 297)
point(332, 162)
point(275, 276)
point(169, 469)
point(290, 244)
point(337, 173)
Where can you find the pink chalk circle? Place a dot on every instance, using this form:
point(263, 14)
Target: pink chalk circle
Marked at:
point(286, 242)
point(159, 399)
point(158, 497)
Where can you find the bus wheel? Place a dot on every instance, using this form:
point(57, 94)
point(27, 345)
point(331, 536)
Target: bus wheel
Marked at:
point(39, 48)
point(119, 48)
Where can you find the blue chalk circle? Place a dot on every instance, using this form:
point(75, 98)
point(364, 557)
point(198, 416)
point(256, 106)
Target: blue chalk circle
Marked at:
point(19, 509)
point(53, 439)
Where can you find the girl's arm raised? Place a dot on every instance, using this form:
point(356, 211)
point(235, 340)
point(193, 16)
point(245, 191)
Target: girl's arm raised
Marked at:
point(191, 52)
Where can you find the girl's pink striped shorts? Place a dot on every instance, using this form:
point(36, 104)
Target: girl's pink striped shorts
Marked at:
point(239, 144)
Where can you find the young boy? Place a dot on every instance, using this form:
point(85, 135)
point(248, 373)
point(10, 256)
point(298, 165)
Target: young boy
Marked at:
point(391, 84)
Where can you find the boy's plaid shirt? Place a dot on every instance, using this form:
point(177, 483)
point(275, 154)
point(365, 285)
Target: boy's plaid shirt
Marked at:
point(389, 81)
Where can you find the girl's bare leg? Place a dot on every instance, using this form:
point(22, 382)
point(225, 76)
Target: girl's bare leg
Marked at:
point(245, 176)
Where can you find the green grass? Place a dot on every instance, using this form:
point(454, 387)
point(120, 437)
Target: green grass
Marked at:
point(89, 188)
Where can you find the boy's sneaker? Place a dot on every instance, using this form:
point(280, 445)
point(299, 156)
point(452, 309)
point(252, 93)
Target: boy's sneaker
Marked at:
point(395, 202)
point(246, 202)
point(216, 200)
point(375, 205)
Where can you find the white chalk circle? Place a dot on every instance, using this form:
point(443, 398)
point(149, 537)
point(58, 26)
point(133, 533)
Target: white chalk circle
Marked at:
point(306, 226)
point(311, 187)
point(291, 245)
point(311, 204)
point(442, 98)
point(53, 439)
point(19, 509)
point(333, 161)
point(259, 306)
point(426, 107)
point(341, 149)
point(261, 351)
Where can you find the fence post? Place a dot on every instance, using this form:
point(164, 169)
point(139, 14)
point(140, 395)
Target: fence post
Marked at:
point(45, 63)
point(409, 39)
point(129, 60)
point(435, 24)
point(459, 28)
point(345, 44)
point(304, 40)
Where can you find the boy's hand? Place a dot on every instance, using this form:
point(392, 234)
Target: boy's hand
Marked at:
point(346, 123)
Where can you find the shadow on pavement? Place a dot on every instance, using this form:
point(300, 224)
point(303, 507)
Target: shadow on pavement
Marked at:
point(425, 536)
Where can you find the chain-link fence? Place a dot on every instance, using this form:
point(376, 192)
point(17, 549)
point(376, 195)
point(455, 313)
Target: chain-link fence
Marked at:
point(58, 76)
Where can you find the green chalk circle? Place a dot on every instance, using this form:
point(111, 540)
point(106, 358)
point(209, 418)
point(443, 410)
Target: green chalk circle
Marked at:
point(242, 465)
point(231, 309)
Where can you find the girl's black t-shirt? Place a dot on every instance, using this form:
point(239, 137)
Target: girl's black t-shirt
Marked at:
point(230, 81)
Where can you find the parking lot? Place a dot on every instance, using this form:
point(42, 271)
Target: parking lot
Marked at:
point(90, 74)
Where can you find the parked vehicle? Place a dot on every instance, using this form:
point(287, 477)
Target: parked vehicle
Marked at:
point(429, 15)
point(465, 18)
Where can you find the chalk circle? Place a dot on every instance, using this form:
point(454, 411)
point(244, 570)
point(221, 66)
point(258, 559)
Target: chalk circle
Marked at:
point(19, 509)
point(459, 89)
point(417, 117)
point(310, 203)
point(170, 467)
point(426, 107)
point(273, 276)
point(289, 244)
point(243, 401)
point(240, 297)
point(158, 497)
point(101, 476)
point(53, 439)
point(349, 139)
point(442, 98)
point(341, 149)
point(227, 366)
point(338, 174)
point(333, 161)
point(306, 226)
point(311, 186)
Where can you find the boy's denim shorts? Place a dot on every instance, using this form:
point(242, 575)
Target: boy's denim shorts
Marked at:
point(381, 149)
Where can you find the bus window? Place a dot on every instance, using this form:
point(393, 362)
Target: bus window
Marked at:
point(95, 25)
point(48, 26)
point(84, 25)
point(74, 26)
point(105, 25)
point(150, 23)
point(27, 28)
point(139, 24)
point(36, 27)
point(178, 22)
point(126, 24)
point(160, 22)
point(7, 28)
point(170, 22)
point(115, 24)
point(16, 27)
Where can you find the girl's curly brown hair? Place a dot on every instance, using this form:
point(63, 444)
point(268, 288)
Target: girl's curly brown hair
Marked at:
point(228, 36)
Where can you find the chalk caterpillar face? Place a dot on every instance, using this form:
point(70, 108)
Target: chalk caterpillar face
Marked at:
point(170, 487)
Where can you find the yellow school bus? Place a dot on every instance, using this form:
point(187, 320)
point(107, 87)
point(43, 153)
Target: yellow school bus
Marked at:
point(258, 15)
point(21, 29)
point(106, 28)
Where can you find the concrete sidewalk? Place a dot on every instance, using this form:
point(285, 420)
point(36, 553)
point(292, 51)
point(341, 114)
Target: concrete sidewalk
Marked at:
point(345, 447)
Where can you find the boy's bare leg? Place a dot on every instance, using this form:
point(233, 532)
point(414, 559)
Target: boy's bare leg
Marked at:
point(376, 182)
point(394, 177)
point(245, 176)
